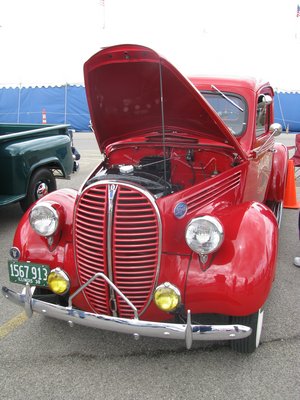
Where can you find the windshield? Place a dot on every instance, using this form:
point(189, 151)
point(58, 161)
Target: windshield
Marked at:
point(234, 117)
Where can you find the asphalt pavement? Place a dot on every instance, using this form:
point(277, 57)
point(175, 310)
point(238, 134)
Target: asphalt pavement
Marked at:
point(42, 358)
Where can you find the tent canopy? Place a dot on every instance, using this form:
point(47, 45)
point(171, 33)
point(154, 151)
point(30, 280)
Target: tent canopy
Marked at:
point(68, 104)
point(287, 106)
point(59, 104)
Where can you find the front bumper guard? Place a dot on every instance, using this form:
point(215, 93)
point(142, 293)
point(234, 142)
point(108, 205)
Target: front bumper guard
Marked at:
point(135, 327)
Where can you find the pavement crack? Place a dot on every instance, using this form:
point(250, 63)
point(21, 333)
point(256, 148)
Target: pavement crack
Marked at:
point(282, 339)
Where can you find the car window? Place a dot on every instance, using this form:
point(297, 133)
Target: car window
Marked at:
point(262, 116)
point(232, 116)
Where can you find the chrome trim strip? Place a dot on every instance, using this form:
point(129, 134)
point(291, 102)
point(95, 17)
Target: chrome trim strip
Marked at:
point(187, 332)
point(112, 190)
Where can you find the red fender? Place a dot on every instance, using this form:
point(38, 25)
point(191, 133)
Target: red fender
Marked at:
point(36, 248)
point(278, 174)
point(237, 279)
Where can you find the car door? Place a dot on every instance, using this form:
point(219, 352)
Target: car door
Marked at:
point(261, 154)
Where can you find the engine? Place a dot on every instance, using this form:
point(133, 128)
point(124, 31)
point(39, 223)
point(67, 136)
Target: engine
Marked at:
point(152, 173)
point(161, 176)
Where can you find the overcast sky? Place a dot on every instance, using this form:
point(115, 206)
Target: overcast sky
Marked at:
point(47, 41)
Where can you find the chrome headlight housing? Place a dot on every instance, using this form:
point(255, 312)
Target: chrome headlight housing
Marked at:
point(204, 235)
point(44, 219)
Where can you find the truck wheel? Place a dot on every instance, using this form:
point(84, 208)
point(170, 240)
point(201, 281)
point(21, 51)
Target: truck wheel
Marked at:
point(250, 343)
point(41, 183)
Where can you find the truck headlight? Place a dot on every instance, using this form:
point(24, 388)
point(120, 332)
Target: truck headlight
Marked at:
point(44, 219)
point(167, 297)
point(58, 281)
point(204, 235)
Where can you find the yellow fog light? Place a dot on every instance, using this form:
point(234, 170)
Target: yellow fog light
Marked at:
point(167, 297)
point(58, 281)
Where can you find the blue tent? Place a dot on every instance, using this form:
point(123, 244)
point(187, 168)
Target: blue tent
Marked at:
point(68, 104)
point(59, 104)
point(287, 110)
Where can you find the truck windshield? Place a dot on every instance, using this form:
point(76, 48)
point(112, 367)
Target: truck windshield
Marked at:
point(235, 118)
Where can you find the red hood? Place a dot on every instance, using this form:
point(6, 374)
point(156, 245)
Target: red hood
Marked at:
point(131, 89)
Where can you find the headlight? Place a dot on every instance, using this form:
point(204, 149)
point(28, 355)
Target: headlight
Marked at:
point(44, 219)
point(204, 235)
point(58, 281)
point(167, 297)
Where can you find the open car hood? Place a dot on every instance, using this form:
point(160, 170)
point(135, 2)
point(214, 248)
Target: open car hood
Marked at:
point(132, 90)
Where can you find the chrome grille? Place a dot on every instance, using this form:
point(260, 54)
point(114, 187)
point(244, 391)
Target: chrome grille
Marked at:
point(134, 246)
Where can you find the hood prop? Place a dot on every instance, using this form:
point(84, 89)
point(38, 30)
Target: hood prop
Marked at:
point(166, 191)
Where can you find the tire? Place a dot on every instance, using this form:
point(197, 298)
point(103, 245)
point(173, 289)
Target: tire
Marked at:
point(41, 183)
point(250, 343)
point(276, 207)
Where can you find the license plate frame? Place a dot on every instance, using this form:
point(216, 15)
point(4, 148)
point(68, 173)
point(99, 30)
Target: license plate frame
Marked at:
point(27, 272)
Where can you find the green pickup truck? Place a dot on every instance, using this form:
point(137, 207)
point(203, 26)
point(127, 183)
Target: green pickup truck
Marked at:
point(31, 158)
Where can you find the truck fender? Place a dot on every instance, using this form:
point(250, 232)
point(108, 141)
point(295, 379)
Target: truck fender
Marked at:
point(278, 174)
point(237, 278)
point(41, 182)
point(52, 154)
point(49, 163)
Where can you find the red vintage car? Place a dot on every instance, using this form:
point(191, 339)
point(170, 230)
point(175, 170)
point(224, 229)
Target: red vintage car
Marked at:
point(174, 234)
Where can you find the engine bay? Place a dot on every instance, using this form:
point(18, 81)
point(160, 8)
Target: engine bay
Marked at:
point(165, 171)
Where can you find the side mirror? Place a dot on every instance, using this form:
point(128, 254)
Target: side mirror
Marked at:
point(265, 100)
point(276, 129)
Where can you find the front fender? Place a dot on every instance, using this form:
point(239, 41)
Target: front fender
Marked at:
point(278, 174)
point(237, 279)
point(36, 249)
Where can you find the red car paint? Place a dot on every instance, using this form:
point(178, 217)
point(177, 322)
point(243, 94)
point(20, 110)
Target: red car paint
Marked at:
point(144, 112)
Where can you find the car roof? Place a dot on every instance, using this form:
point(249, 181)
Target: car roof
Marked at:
point(241, 82)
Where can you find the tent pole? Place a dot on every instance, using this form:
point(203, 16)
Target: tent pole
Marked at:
point(19, 103)
point(66, 101)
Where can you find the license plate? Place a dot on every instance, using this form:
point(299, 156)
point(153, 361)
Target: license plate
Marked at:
point(23, 272)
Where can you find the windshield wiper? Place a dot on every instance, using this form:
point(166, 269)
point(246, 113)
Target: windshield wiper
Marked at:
point(227, 98)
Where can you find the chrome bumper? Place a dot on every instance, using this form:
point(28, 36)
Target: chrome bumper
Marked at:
point(136, 327)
